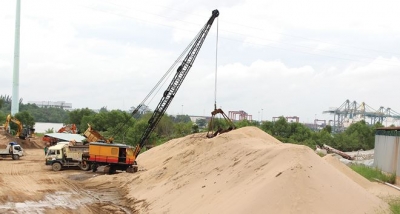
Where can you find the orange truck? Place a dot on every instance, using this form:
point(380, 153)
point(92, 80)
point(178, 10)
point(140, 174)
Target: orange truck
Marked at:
point(112, 156)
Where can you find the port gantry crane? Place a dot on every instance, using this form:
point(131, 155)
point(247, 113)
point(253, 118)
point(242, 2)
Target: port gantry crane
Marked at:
point(176, 82)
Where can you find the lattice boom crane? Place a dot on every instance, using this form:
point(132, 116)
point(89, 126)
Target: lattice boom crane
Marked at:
point(176, 82)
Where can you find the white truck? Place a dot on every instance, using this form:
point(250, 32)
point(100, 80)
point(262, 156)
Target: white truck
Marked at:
point(13, 150)
point(63, 155)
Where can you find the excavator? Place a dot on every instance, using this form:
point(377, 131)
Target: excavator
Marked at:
point(69, 128)
point(118, 156)
point(21, 132)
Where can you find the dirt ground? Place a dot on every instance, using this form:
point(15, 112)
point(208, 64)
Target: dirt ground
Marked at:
point(243, 171)
point(28, 186)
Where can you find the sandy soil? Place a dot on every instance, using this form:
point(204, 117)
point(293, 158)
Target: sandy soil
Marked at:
point(243, 171)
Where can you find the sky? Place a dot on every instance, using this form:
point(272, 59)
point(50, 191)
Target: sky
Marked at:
point(271, 58)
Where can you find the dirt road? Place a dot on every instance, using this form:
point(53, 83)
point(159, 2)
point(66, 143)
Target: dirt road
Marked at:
point(28, 186)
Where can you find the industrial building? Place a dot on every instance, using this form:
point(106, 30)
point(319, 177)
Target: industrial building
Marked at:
point(387, 150)
point(58, 104)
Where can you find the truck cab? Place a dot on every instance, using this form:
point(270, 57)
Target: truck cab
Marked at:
point(14, 150)
point(63, 155)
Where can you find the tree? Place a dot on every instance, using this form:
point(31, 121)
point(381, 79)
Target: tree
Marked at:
point(300, 133)
point(195, 128)
point(75, 117)
point(25, 118)
point(282, 128)
point(328, 128)
point(182, 129)
point(181, 118)
point(201, 123)
point(243, 123)
point(268, 127)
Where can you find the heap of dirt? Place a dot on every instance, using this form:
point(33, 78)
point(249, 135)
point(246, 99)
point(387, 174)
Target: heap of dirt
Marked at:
point(382, 191)
point(29, 143)
point(243, 171)
point(6, 138)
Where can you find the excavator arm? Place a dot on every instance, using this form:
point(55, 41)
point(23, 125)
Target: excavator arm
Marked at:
point(176, 82)
point(17, 122)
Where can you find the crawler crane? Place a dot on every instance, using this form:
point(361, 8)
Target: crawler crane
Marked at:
point(120, 156)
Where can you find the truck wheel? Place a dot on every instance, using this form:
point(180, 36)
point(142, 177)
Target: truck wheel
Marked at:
point(15, 157)
point(112, 170)
point(94, 167)
point(107, 169)
point(129, 170)
point(84, 166)
point(56, 166)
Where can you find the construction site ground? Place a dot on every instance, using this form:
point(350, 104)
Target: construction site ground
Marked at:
point(243, 171)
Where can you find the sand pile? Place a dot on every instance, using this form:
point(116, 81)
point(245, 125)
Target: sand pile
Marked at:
point(6, 138)
point(29, 143)
point(383, 191)
point(243, 171)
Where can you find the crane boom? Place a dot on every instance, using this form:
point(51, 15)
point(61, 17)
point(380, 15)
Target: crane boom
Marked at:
point(176, 82)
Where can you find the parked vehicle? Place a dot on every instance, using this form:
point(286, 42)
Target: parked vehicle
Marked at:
point(12, 150)
point(64, 155)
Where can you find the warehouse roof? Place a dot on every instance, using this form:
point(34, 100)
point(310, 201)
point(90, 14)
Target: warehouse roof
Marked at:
point(389, 128)
point(67, 137)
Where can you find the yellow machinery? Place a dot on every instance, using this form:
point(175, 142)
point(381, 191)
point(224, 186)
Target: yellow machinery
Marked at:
point(94, 136)
point(20, 130)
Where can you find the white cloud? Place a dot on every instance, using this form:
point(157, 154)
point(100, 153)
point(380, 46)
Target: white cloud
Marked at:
point(285, 57)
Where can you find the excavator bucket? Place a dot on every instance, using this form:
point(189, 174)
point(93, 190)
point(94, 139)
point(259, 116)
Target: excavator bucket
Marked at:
point(212, 132)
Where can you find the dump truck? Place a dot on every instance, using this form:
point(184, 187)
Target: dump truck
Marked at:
point(112, 156)
point(12, 150)
point(64, 155)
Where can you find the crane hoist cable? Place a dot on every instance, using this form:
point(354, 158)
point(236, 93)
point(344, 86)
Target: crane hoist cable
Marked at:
point(211, 132)
point(216, 69)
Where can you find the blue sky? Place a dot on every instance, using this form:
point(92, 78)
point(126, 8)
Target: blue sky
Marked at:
point(291, 58)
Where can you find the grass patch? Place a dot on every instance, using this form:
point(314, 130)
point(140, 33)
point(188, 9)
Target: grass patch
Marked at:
point(372, 173)
point(39, 134)
point(321, 154)
point(395, 207)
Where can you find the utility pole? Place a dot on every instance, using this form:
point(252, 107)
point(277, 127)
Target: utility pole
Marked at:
point(315, 122)
point(15, 91)
point(262, 111)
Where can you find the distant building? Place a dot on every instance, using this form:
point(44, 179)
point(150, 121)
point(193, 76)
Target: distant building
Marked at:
point(195, 118)
point(58, 104)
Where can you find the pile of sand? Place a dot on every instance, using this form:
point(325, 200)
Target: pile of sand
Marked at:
point(243, 171)
point(380, 190)
point(29, 143)
point(6, 138)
